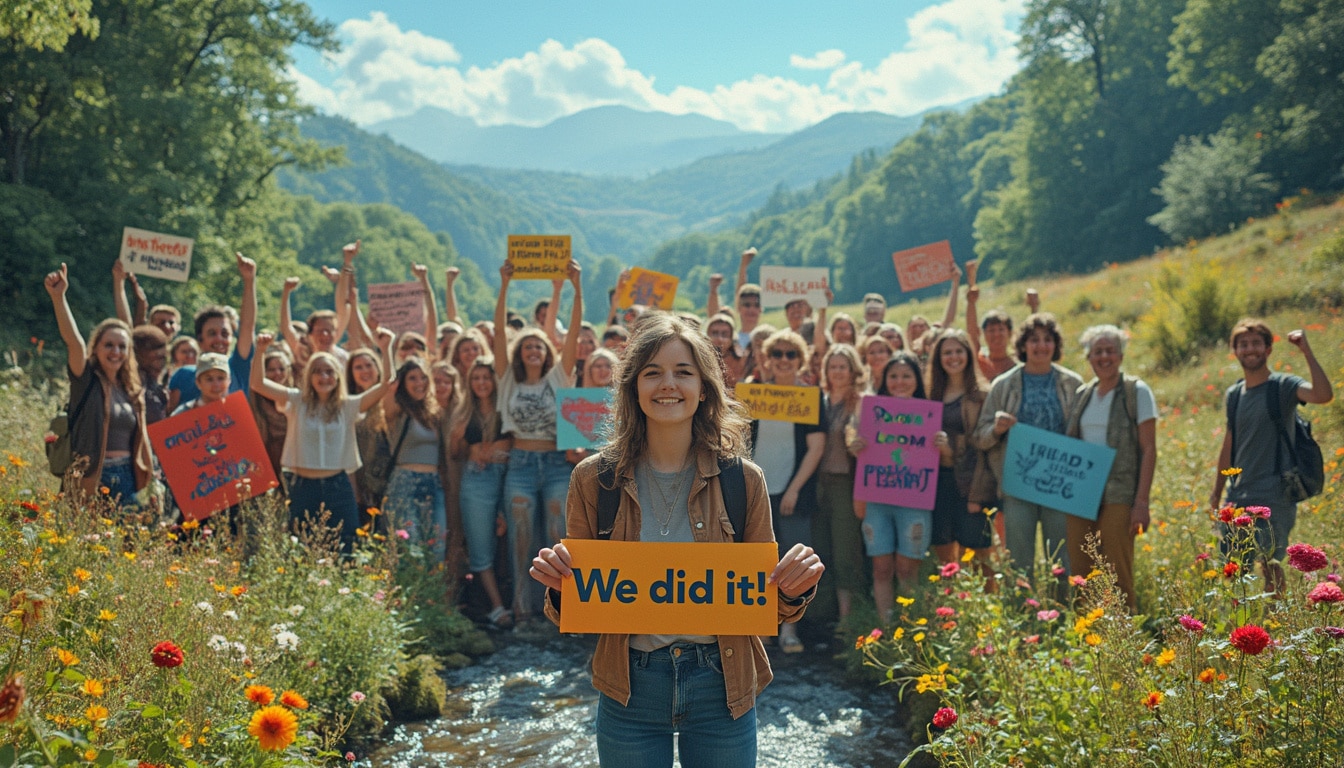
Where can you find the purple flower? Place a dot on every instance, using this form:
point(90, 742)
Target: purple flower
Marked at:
point(1191, 623)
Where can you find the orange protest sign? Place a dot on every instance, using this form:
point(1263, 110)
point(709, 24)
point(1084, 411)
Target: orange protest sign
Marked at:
point(650, 588)
point(213, 456)
point(924, 266)
point(652, 289)
point(800, 405)
point(539, 257)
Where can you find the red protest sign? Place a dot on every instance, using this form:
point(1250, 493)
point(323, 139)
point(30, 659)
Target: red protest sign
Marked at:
point(213, 456)
point(924, 266)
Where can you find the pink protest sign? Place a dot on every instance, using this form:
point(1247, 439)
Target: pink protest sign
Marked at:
point(899, 462)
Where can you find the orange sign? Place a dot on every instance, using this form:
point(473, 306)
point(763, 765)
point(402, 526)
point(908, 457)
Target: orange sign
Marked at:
point(652, 289)
point(539, 257)
point(800, 405)
point(213, 456)
point(649, 588)
point(924, 266)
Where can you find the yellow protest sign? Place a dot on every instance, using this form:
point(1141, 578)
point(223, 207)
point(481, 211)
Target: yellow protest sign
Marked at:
point(652, 289)
point(539, 257)
point(800, 405)
point(649, 588)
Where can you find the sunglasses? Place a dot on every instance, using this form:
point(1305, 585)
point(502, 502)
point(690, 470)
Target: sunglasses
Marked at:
point(778, 354)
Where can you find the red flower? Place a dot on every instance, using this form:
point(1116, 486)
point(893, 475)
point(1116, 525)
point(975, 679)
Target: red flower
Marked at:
point(11, 699)
point(1227, 513)
point(1326, 592)
point(1250, 639)
point(945, 611)
point(166, 655)
point(1230, 570)
point(1306, 558)
point(944, 718)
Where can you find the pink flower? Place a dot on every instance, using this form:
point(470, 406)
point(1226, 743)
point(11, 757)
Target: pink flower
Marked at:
point(875, 634)
point(945, 612)
point(1241, 520)
point(350, 757)
point(944, 718)
point(1077, 581)
point(1032, 603)
point(1306, 558)
point(1191, 623)
point(1335, 632)
point(963, 595)
point(1049, 615)
point(1201, 557)
point(1031, 639)
point(357, 697)
point(1058, 570)
point(949, 570)
point(403, 534)
point(1332, 577)
point(1260, 512)
point(1326, 592)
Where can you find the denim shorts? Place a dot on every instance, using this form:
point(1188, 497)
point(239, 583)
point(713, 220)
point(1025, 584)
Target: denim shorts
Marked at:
point(414, 501)
point(481, 497)
point(118, 477)
point(676, 690)
point(888, 528)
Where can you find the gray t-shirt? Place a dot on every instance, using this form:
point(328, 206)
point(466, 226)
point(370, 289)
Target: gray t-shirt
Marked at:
point(1256, 440)
point(676, 487)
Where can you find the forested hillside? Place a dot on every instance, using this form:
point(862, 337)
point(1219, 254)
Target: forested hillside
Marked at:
point(1133, 123)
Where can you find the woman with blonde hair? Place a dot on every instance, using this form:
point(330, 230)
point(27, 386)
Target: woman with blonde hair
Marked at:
point(837, 530)
point(676, 432)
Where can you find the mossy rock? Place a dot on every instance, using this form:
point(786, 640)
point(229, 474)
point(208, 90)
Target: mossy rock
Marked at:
point(919, 714)
point(418, 693)
point(456, 661)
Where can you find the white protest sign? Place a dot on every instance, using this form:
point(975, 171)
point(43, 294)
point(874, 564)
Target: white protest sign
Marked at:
point(780, 285)
point(154, 254)
point(398, 306)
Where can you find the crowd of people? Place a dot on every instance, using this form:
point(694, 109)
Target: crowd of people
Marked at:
point(452, 432)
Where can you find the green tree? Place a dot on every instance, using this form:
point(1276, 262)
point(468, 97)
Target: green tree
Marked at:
point(1210, 187)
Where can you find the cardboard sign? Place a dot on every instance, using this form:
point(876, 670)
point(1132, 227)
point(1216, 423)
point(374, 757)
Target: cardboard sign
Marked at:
point(650, 588)
point(581, 419)
point(156, 255)
point(539, 257)
point(780, 285)
point(1059, 472)
point(924, 266)
point(652, 289)
point(398, 306)
point(800, 405)
point(213, 456)
point(899, 464)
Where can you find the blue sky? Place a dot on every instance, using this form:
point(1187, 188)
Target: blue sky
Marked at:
point(764, 66)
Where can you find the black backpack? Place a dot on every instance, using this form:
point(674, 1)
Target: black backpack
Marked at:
point(1304, 476)
point(732, 484)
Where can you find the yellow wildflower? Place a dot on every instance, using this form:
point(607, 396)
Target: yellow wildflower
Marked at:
point(919, 637)
point(82, 574)
point(67, 658)
point(17, 461)
point(905, 601)
point(106, 615)
point(1092, 639)
point(1166, 657)
point(1231, 472)
point(968, 556)
point(190, 525)
point(92, 687)
point(95, 713)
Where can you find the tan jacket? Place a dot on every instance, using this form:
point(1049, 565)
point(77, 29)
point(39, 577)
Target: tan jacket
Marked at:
point(746, 668)
point(1005, 394)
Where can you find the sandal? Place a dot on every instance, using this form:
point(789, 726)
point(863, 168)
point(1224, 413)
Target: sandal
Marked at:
point(500, 618)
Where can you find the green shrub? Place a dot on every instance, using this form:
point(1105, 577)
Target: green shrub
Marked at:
point(1195, 305)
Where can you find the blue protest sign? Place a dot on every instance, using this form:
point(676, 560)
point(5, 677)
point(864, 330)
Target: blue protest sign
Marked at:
point(1055, 471)
point(581, 417)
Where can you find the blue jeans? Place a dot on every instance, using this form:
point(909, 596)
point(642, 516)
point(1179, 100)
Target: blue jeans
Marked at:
point(308, 496)
point(675, 690)
point(415, 502)
point(118, 477)
point(1020, 519)
point(481, 492)
point(888, 528)
point(535, 489)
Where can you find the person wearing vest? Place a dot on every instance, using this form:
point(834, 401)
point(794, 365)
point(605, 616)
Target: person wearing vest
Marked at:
point(1119, 411)
point(674, 424)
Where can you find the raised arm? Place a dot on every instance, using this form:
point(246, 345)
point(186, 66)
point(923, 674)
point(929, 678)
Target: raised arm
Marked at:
point(1319, 391)
point(569, 354)
point(742, 265)
point(552, 310)
point(973, 317)
point(429, 305)
point(57, 283)
point(820, 343)
point(501, 340)
point(286, 322)
point(450, 297)
point(950, 314)
point(342, 292)
point(712, 305)
point(374, 394)
point(257, 381)
point(360, 333)
point(141, 311)
point(119, 292)
point(247, 316)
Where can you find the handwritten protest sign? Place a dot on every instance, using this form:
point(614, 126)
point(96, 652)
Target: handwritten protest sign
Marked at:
point(398, 306)
point(652, 289)
point(800, 405)
point(1055, 471)
point(673, 589)
point(156, 255)
point(539, 257)
point(213, 456)
point(924, 266)
point(899, 463)
point(780, 285)
point(582, 417)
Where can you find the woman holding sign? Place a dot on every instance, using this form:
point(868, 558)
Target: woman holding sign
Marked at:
point(537, 480)
point(1119, 411)
point(676, 431)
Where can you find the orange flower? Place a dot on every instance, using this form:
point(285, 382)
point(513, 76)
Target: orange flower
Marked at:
point(67, 658)
point(259, 694)
point(95, 713)
point(293, 700)
point(273, 727)
point(92, 687)
point(1153, 700)
point(1208, 675)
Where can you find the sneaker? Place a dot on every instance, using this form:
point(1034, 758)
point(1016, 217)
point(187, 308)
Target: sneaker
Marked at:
point(500, 618)
point(790, 644)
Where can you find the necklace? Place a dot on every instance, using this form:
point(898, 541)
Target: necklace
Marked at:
point(665, 525)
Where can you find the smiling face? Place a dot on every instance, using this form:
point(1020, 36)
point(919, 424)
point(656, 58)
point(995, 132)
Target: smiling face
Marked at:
point(416, 384)
point(952, 357)
point(467, 352)
point(166, 322)
point(443, 387)
point(322, 334)
point(533, 351)
point(323, 378)
point(277, 369)
point(785, 362)
point(997, 336)
point(587, 342)
point(1105, 357)
point(838, 373)
point(901, 381)
point(1251, 351)
point(364, 371)
point(111, 350)
point(597, 373)
point(214, 385)
point(482, 383)
point(216, 335)
point(876, 357)
point(1040, 349)
point(721, 334)
point(184, 354)
point(670, 387)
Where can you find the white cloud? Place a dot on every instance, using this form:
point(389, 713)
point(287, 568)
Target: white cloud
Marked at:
point(957, 49)
point(828, 59)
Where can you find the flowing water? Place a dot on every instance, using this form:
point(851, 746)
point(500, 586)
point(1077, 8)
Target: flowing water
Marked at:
point(531, 704)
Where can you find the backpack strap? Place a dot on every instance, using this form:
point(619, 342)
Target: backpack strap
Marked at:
point(405, 426)
point(1234, 400)
point(1274, 406)
point(608, 501)
point(74, 414)
point(732, 484)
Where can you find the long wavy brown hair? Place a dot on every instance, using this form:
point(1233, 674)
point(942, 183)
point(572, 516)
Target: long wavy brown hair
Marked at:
point(426, 410)
point(975, 386)
point(720, 424)
point(128, 376)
